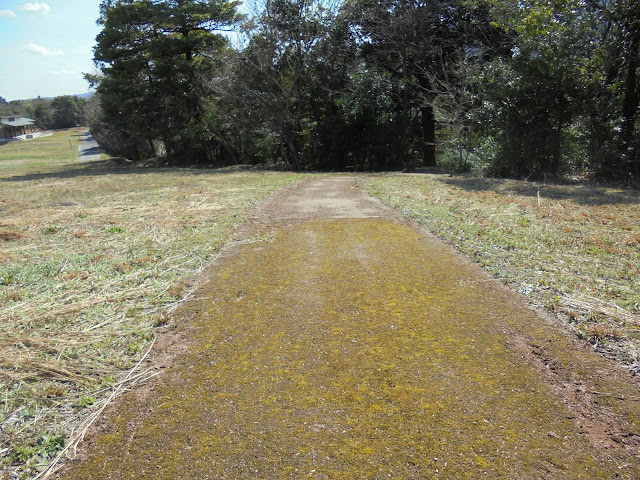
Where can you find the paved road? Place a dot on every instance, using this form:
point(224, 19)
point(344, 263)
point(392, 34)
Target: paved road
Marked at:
point(88, 149)
point(352, 346)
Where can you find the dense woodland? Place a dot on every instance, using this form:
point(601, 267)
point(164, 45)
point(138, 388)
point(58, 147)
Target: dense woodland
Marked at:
point(60, 112)
point(523, 89)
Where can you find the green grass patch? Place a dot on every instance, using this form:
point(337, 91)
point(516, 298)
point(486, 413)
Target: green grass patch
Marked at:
point(573, 248)
point(40, 153)
point(92, 257)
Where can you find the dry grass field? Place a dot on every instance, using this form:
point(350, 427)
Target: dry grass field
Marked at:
point(574, 249)
point(92, 258)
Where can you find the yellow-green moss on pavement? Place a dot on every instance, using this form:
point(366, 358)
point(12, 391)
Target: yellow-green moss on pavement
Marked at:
point(352, 349)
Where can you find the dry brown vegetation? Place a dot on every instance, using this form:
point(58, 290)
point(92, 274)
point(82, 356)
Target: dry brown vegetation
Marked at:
point(92, 257)
point(572, 248)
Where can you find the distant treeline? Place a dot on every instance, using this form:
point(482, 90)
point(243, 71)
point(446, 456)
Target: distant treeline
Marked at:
point(59, 112)
point(521, 89)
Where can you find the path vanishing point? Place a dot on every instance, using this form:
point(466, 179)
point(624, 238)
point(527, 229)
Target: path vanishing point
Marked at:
point(333, 340)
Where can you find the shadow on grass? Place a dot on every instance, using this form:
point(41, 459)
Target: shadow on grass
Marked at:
point(111, 166)
point(581, 193)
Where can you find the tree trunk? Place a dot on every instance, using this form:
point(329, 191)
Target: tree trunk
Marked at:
point(401, 160)
point(428, 136)
point(555, 138)
point(293, 151)
point(630, 110)
point(428, 124)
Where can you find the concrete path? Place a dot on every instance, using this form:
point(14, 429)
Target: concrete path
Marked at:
point(88, 149)
point(351, 345)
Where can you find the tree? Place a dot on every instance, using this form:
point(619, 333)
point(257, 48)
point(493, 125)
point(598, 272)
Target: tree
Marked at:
point(155, 58)
point(533, 96)
point(41, 113)
point(626, 15)
point(277, 79)
point(371, 119)
point(67, 111)
point(13, 108)
point(566, 99)
point(615, 81)
point(421, 44)
point(533, 88)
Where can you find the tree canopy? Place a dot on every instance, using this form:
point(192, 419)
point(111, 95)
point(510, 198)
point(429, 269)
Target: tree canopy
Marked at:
point(156, 60)
point(521, 89)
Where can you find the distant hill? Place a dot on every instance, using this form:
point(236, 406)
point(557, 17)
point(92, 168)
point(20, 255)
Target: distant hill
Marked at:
point(86, 95)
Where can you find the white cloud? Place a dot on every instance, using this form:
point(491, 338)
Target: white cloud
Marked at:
point(36, 7)
point(63, 72)
point(40, 50)
point(7, 14)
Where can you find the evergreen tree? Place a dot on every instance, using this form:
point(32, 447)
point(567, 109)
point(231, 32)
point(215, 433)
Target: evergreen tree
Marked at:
point(155, 59)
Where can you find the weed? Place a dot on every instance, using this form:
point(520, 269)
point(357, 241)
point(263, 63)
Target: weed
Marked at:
point(7, 278)
point(46, 447)
point(124, 267)
point(99, 258)
point(597, 333)
point(85, 401)
point(54, 391)
point(108, 381)
point(73, 275)
point(14, 296)
point(146, 259)
point(133, 312)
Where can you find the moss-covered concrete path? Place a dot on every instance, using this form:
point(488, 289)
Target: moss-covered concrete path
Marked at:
point(351, 345)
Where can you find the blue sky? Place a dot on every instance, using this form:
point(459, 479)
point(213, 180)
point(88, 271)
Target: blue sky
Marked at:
point(45, 47)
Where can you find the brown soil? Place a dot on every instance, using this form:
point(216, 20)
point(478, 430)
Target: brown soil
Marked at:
point(333, 340)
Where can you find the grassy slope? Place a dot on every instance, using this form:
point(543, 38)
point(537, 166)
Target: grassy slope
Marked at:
point(92, 256)
point(574, 248)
